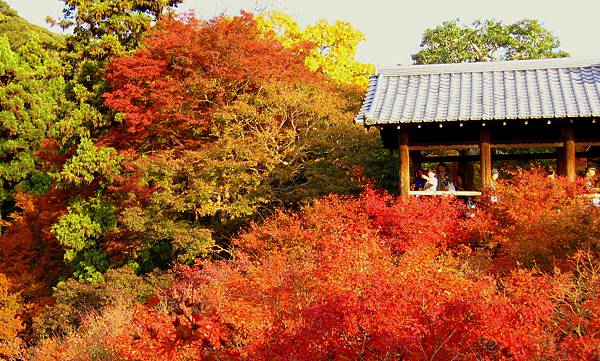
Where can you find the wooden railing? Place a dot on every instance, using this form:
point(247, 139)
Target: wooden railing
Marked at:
point(446, 193)
point(472, 194)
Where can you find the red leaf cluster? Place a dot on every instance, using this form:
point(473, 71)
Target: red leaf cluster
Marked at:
point(30, 256)
point(537, 221)
point(186, 68)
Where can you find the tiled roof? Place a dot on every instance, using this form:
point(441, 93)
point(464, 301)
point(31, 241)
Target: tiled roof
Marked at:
point(524, 89)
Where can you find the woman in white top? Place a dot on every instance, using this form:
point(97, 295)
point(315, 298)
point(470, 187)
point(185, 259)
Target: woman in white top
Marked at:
point(432, 181)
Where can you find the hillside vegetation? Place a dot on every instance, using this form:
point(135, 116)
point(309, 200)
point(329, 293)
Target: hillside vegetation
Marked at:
point(19, 30)
point(173, 188)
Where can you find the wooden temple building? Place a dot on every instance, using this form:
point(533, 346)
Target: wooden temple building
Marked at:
point(548, 107)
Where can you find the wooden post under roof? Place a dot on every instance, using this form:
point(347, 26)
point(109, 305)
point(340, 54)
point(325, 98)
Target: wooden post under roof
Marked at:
point(485, 151)
point(404, 158)
point(569, 152)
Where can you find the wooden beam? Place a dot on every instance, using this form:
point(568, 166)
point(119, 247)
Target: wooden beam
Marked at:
point(492, 145)
point(515, 156)
point(475, 158)
point(404, 158)
point(585, 143)
point(524, 156)
point(527, 145)
point(449, 158)
point(569, 152)
point(485, 155)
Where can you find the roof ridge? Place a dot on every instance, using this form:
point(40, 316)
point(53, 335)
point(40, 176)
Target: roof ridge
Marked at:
point(510, 65)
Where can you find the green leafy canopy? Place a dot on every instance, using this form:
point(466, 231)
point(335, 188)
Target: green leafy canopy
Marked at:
point(31, 99)
point(487, 40)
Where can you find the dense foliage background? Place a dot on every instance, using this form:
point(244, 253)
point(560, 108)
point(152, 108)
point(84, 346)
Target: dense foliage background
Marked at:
point(177, 188)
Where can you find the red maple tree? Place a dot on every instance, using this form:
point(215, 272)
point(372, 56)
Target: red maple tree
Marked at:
point(186, 68)
point(370, 278)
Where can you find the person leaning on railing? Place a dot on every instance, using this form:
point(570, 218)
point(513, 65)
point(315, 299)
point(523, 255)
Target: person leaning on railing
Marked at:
point(589, 181)
point(419, 181)
point(494, 184)
point(444, 179)
point(432, 181)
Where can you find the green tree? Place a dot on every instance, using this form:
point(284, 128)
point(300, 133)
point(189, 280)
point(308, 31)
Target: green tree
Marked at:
point(19, 30)
point(101, 30)
point(79, 232)
point(110, 25)
point(89, 163)
point(487, 40)
point(333, 48)
point(530, 40)
point(228, 125)
point(31, 99)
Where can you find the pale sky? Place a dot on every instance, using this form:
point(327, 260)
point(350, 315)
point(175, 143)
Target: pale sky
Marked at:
point(393, 28)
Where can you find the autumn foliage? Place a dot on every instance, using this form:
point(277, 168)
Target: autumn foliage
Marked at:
point(30, 261)
point(184, 70)
point(372, 278)
point(221, 124)
point(199, 191)
point(538, 221)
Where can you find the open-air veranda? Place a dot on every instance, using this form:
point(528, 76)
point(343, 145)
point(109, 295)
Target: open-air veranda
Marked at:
point(548, 108)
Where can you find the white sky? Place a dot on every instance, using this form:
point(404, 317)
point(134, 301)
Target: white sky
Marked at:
point(393, 28)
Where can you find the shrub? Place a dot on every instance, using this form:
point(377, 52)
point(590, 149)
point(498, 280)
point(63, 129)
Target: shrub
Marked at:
point(93, 341)
point(74, 300)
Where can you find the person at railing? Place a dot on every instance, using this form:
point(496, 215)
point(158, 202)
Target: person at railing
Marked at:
point(551, 172)
point(431, 182)
point(444, 179)
point(495, 176)
point(419, 181)
point(494, 184)
point(590, 185)
point(590, 179)
point(459, 183)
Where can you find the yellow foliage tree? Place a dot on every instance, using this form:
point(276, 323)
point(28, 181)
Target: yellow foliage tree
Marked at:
point(334, 46)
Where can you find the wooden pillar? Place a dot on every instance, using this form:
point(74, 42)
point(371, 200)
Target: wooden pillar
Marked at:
point(404, 158)
point(569, 152)
point(485, 151)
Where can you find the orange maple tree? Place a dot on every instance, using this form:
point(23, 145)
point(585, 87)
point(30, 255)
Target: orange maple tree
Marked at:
point(369, 278)
point(186, 68)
